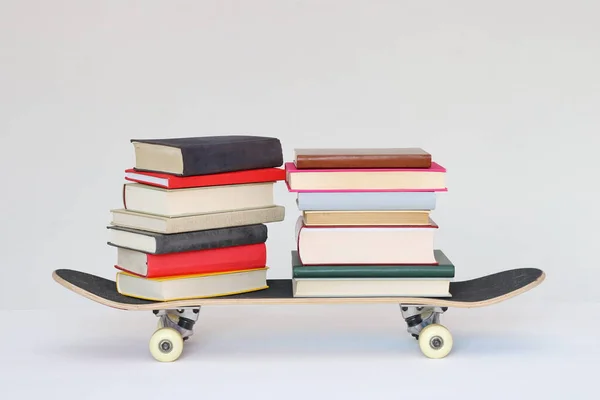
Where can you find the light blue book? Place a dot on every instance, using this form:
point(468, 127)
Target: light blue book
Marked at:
point(346, 201)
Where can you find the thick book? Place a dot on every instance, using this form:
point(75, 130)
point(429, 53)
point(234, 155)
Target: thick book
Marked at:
point(205, 155)
point(366, 218)
point(201, 200)
point(366, 180)
point(192, 286)
point(371, 287)
point(365, 245)
point(196, 222)
point(409, 157)
point(221, 259)
point(160, 243)
point(170, 181)
point(444, 269)
point(348, 201)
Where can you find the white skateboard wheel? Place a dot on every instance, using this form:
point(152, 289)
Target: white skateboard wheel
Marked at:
point(166, 345)
point(435, 341)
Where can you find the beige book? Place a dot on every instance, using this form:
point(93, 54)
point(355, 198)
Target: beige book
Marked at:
point(197, 200)
point(426, 179)
point(374, 217)
point(162, 224)
point(365, 245)
point(371, 287)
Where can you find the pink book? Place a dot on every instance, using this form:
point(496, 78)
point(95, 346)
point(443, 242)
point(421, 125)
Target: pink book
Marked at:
point(366, 180)
point(375, 245)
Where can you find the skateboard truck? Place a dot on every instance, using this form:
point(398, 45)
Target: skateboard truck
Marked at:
point(423, 323)
point(180, 319)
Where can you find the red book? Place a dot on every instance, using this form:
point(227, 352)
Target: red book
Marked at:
point(169, 181)
point(223, 259)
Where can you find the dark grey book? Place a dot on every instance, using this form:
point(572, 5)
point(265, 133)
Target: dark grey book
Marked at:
point(159, 243)
point(205, 155)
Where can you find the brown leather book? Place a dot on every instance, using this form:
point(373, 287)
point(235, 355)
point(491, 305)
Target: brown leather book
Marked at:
point(362, 158)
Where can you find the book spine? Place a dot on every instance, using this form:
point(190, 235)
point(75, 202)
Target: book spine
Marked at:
point(211, 239)
point(362, 161)
point(374, 271)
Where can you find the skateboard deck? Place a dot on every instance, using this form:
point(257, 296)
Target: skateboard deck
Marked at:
point(421, 314)
point(478, 292)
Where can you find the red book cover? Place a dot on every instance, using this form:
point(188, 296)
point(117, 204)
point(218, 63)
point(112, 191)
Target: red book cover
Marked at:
point(224, 259)
point(169, 181)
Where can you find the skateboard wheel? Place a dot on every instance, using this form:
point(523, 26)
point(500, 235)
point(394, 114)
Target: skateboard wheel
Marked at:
point(166, 345)
point(435, 341)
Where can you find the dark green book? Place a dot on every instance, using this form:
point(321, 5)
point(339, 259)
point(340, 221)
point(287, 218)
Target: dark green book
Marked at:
point(444, 269)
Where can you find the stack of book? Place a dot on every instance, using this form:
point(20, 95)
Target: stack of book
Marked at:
point(366, 228)
point(193, 219)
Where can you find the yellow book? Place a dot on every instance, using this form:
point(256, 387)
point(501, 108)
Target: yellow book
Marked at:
point(192, 286)
point(366, 218)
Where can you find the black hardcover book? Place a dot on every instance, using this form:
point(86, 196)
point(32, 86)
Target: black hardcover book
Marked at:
point(158, 243)
point(205, 155)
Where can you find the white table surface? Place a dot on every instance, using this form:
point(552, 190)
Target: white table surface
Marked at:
point(518, 349)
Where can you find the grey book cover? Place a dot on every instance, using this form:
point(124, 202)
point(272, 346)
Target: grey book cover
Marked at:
point(198, 240)
point(205, 155)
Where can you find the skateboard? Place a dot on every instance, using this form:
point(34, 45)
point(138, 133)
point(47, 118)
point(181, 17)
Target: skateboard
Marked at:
point(421, 314)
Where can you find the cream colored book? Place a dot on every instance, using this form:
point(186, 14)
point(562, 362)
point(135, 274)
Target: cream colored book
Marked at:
point(189, 223)
point(371, 217)
point(191, 286)
point(197, 200)
point(347, 245)
point(373, 179)
point(372, 287)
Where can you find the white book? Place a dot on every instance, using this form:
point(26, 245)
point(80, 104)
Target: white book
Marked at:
point(365, 245)
point(196, 222)
point(323, 201)
point(197, 200)
point(372, 287)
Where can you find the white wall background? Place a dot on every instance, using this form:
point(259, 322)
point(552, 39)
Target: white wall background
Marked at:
point(506, 95)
